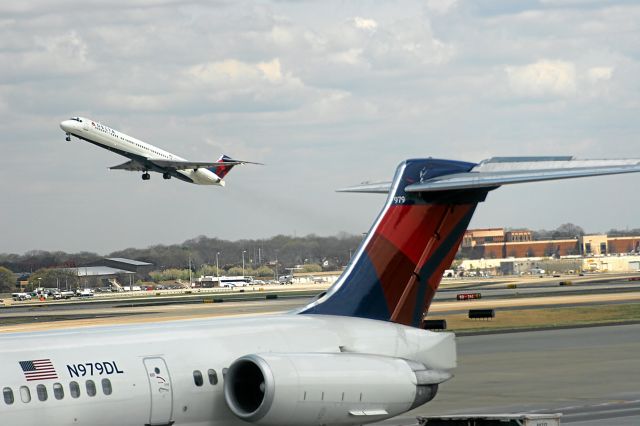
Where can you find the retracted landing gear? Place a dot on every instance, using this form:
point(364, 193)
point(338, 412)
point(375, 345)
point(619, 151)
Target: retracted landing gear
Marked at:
point(68, 137)
point(166, 175)
point(146, 176)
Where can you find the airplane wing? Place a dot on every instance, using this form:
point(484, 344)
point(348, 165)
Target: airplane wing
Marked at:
point(185, 165)
point(498, 171)
point(144, 164)
point(132, 166)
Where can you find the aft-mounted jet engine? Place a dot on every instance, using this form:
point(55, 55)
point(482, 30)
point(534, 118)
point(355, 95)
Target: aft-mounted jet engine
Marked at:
point(326, 388)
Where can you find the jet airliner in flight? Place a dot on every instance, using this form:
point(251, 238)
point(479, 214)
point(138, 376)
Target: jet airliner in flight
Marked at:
point(147, 158)
point(357, 354)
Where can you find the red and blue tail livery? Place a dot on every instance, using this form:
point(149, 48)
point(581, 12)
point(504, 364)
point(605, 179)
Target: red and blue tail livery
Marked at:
point(224, 168)
point(397, 269)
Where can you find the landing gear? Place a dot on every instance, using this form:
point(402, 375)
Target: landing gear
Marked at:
point(166, 176)
point(68, 137)
point(146, 176)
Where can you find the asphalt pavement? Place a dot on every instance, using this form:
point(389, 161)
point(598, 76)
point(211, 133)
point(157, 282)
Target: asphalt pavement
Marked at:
point(590, 375)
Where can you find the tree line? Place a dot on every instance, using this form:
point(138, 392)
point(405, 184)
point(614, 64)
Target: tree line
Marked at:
point(284, 251)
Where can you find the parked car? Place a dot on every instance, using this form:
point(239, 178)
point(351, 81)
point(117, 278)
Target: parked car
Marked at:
point(20, 296)
point(85, 292)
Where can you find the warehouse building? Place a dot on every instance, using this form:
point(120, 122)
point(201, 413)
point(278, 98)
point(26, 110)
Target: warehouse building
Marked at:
point(112, 272)
point(496, 243)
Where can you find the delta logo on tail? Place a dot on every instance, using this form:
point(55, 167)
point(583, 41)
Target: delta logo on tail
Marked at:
point(224, 168)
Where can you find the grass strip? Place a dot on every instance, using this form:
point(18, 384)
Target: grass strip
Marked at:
point(544, 318)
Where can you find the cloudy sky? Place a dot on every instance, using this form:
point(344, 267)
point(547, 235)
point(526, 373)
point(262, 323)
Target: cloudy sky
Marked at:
point(325, 93)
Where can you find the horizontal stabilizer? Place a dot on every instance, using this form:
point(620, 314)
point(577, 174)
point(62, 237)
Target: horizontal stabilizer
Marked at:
point(185, 165)
point(499, 171)
point(369, 187)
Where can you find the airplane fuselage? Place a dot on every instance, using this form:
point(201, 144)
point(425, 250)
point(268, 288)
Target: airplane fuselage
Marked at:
point(130, 147)
point(174, 373)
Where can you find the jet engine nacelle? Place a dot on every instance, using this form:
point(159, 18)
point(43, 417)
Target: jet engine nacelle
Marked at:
point(329, 388)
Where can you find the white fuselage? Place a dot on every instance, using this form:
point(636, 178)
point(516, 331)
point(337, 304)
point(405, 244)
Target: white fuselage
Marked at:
point(119, 142)
point(127, 358)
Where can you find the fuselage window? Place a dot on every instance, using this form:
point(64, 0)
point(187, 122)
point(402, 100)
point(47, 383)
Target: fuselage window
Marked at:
point(41, 390)
point(58, 391)
point(8, 395)
point(213, 377)
point(106, 386)
point(91, 388)
point(197, 378)
point(74, 389)
point(25, 394)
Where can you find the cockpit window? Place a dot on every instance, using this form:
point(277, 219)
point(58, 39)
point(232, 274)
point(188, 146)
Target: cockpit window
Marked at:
point(76, 119)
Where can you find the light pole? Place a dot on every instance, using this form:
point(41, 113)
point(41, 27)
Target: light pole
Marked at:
point(217, 268)
point(243, 252)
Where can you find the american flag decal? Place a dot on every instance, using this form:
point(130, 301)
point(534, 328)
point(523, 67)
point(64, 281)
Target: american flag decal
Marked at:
point(38, 369)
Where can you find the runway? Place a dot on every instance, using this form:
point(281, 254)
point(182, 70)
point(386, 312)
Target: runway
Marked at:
point(591, 375)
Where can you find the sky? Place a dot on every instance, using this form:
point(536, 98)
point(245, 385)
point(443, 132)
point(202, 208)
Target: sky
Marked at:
point(326, 94)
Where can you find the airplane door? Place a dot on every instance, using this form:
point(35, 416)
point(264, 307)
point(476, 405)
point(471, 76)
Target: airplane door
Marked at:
point(161, 392)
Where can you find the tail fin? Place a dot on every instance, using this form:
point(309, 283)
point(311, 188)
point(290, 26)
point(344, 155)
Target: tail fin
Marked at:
point(398, 267)
point(222, 170)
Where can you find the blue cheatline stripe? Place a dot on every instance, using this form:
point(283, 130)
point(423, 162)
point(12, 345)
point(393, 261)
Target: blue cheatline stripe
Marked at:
point(435, 261)
point(361, 295)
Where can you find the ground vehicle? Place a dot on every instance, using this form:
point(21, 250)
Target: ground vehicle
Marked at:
point(85, 292)
point(20, 296)
point(66, 294)
point(285, 279)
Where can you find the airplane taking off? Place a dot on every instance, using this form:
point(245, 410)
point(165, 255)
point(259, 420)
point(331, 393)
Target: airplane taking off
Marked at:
point(147, 158)
point(357, 354)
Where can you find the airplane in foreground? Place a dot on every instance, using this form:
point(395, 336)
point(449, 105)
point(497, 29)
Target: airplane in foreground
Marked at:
point(357, 354)
point(147, 158)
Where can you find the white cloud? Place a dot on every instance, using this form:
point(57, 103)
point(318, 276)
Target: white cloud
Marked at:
point(345, 84)
point(351, 56)
point(365, 24)
point(543, 78)
point(441, 6)
point(598, 74)
point(235, 71)
point(44, 57)
point(271, 70)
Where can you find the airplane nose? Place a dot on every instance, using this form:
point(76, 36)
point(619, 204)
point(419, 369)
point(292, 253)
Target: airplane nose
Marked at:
point(67, 125)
